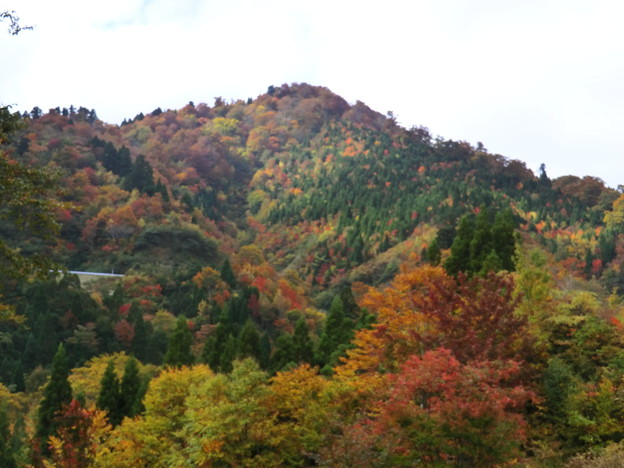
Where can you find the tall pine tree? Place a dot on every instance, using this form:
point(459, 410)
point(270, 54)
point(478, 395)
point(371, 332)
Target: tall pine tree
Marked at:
point(109, 398)
point(179, 349)
point(249, 341)
point(130, 389)
point(283, 354)
point(56, 394)
point(459, 259)
point(338, 331)
point(481, 246)
point(303, 350)
point(227, 274)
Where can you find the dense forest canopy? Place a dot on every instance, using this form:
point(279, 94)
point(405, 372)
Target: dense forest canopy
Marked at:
point(305, 283)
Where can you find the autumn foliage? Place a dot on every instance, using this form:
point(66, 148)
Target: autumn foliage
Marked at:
point(438, 410)
point(425, 308)
point(284, 298)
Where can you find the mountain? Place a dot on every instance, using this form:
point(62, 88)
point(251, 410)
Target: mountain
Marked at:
point(268, 225)
point(318, 185)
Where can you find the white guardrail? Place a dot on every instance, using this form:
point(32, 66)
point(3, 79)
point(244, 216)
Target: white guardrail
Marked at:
point(90, 273)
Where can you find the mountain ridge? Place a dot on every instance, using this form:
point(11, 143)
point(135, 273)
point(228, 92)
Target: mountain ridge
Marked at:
point(273, 160)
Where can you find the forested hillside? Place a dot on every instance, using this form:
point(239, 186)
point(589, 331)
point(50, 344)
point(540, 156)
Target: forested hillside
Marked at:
point(306, 283)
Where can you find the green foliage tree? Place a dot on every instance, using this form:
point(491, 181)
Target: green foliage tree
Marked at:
point(157, 347)
point(221, 347)
point(480, 241)
point(249, 341)
point(349, 305)
point(140, 342)
point(183, 244)
point(445, 236)
point(227, 274)
point(283, 354)
point(503, 239)
point(141, 176)
point(338, 331)
point(543, 177)
point(130, 390)
point(7, 457)
point(9, 124)
point(109, 397)
point(28, 200)
point(209, 352)
point(116, 161)
point(226, 360)
point(264, 356)
point(559, 385)
point(459, 260)
point(179, 349)
point(303, 348)
point(434, 256)
point(56, 394)
point(481, 246)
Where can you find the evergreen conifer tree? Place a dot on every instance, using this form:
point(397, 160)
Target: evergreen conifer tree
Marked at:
point(338, 330)
point(109, 398)
point(228, 355)
point(227, 274)
point(459, 259)
point(142, 330)
point(491, 262)
point(115, 300)
point(264, 355)
point(481, 246)
point(445, 236)
point(350, 307)
point(130, 388)
point(283, 354)
point(303, 350)
point(215, 346)
point(156, 347)
point(18, 377)
point(433, 252)
point(249, 341)
point(56, 394)
point(209, 355)
point(140, 342)
point(504, 239)
point(162, 189)
point(480, 241)
point(141, 176)
point(179, 349)
point(124, 163)
point(558, 382)
point(138, 407)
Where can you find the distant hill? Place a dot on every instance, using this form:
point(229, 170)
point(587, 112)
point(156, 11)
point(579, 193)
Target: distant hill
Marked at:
point(318, 185)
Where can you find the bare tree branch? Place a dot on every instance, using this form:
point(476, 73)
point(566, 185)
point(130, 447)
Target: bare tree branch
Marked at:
point(13, 19)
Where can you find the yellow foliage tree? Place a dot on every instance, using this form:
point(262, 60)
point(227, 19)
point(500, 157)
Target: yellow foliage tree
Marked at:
point(86, 380)
point(399, 322)
point(154, 440)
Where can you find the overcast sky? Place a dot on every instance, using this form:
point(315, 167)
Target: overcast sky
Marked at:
point(535, 80)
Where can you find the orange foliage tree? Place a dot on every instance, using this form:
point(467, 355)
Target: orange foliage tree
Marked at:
point(424, 308)
point(81, 433)
point(437, 411)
